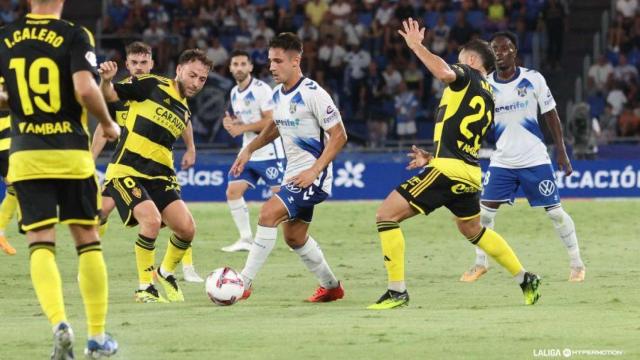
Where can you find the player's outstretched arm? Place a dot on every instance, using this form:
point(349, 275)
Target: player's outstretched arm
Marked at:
point(553, 121)
point(413, 35)
point(267, 135)
point(97, 142)
point(88, 93)
point(189, 157)
point(337, 140)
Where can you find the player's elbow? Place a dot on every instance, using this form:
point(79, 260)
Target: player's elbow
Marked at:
point(445, 75)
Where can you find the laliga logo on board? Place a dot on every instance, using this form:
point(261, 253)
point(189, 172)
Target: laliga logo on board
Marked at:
point(350, 175)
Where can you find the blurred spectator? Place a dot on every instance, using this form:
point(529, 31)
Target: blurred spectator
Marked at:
point(331, 56)
point(628, 122)
point(414, 78)
point(406, 105)
point(373, 95)
point(553, 14)
point(385, 13)
point(599, 74)
point(439, 36)
point(462, 31)
point(308, 31)
point(7, 13)
point(340, 11)
point(263, 30)
point(118, 13)
point(217, 53)
point(624, 71)
point(260, 54)
point(392, 79)
point(617, 100)
point(358, 61)
point(627, 8)
point(404, 10)
point(496, 16)
point(608, 124)
point(315, 10)
point(354, 31)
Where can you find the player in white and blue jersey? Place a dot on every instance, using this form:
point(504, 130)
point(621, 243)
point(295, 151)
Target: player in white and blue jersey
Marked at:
point(311, 128)
point(251, 111)
point(521, 159)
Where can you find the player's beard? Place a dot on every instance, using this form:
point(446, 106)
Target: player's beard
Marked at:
point(240, 76)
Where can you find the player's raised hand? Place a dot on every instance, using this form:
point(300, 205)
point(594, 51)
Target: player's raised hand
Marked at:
point(111, 131)
point(419, 158)
point(108, 70)
point(241, 160)
point(413, 35)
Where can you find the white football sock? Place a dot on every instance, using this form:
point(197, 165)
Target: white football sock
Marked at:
point(487, 216)
point(240, 215)
point(313, 258)
point(566, 230)
point(261, 247)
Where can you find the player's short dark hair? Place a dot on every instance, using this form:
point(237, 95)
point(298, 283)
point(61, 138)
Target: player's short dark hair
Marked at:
point(286, 41)
point(235, 53)
point(191, 55)
point(508, 34)
point(138, 47)
point(483, 49)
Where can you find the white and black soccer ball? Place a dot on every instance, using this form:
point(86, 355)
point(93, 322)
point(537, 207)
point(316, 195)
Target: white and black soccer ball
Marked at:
point(224, 286)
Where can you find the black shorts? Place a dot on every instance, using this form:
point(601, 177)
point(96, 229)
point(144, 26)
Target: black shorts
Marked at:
point(432, 189)
point(128, 192)
point(48, 201)
point(4, 163)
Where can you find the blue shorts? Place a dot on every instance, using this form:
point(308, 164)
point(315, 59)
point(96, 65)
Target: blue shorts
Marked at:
point(537, 182)
point(271, 171)
point(300, 202)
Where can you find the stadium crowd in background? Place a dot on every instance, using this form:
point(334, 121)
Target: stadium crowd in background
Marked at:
point(612, 81)
point(350, 47)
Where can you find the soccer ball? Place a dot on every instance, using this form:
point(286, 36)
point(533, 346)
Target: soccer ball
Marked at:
point(224, 286)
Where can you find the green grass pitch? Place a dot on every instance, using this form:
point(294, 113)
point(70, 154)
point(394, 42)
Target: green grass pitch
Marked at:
point(445, 319)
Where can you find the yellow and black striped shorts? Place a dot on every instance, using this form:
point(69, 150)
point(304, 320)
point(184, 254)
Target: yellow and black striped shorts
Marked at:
point(432, 189)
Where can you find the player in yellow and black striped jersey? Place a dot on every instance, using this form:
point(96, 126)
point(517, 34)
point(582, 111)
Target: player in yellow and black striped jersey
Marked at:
point(138, 62)
point(48, 65)
point(9, 202)
point(451, 176)
point(141, 177)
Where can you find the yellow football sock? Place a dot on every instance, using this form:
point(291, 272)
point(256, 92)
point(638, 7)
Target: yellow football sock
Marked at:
point(46, 280)
point(187, 259)
point(494, 245)
point(8, 207)
point(92, 277)
point(392, 248)
point(175, 252)
point(145, 259)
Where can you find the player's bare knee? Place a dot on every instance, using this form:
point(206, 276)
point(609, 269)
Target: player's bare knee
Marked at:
point(150, 223)
point(187, 232)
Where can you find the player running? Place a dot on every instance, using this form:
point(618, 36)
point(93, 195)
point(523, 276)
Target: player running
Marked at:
point(451, 176)
point(252, 111)
point(49, 66)
point(313, 134)
point(138, 62)
point(141, 178)
point(521, 158)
